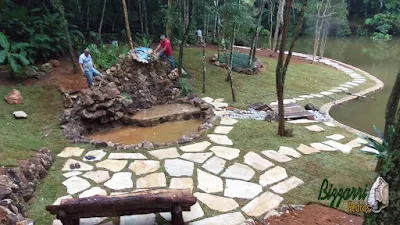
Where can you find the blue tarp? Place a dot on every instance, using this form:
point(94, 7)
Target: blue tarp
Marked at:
point(142, 54)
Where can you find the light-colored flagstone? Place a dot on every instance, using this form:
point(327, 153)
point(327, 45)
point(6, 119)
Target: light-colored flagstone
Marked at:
point(127, 156)
point(71, 174)
point(286, 185)
point(299, 99)
point(97, 154)
point(306, 149)
point(343, 88)
point(341, 147)
point(228, 121)
point(352, 84)
point(214, 165)
point(197, 147)
point(256, 161)
point(207, 99)
point(329, 124)
point(346, 86)
point(236, 218)
point(214, 202)
point(98, 176)
point(355, 143)
point(322, 147)
point(91, 221)
point(219, 104)
point(274, 155)
point(223, 129)
point(75, 185)
point(336, 137)
point(179, 167)
point(197, 157)
point(225, 152)
point(220, 113)
point(181, 183)
point(220, 139)
point(315, 128)
point(58, 200)
point(273, 175)
point(83, 166)
point(208, 182)
point(239, 171)
point(326, 93)
point(71, 152)
point(93, 192)
point(112, 165)
point(195, 212)
point(302, 121)
point(317, 95)
point(152, 180)
point(370, 150)
point(262, 204)
point(145, 219)
point(168, 153)
point(140, 167)
point(306, 96)
point(120, 181)
point(335, 90)
point(289, 151)
point(241, 189)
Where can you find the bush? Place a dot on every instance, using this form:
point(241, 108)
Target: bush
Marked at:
point(384, 24)
point(185, 86)
point(106, 56)
point(239, 60)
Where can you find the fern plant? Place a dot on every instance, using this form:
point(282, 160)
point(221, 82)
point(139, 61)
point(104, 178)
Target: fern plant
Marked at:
point(185, 86)
point(143, 40)
point(106, 56)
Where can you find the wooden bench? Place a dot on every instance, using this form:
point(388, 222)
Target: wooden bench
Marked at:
point(163, 200)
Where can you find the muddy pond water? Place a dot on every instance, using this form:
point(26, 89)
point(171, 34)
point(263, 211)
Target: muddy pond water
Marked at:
point(382, 60)
point(164, 132)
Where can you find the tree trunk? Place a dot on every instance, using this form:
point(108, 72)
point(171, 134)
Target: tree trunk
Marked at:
point(278, 23)
point(146, 23)
point(128, 30)
point(204, 49)
point(102, 17)
point(168, 29)
point(207, 24)
point(218, 26)
point(392, 105)
point(324, 38)
point(271, 15)
point(215, 32)
point(88, 18)
point(79, 6)
point(254, 43)
point(140, 16)
point(318, 27)
point(231, 61)
point(185, 32)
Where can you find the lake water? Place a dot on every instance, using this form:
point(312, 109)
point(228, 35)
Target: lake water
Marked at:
point(382, 60)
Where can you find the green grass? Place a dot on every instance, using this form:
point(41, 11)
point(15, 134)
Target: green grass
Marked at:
point(239, 60)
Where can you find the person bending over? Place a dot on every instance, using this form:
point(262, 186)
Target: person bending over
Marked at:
point(166, 50)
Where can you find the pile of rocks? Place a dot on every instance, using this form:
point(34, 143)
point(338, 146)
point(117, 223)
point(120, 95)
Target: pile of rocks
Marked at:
point(249, 71)
point(17, 185)
point(44, 69)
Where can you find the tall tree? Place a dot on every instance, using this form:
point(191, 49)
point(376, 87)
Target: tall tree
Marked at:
point(128, 30)
point(324, 10)
point(215, 32)
point(324, 38)
point(184, 32)
point(230, 65)
point(271, 6)
point(278, 24)
point(58, 5)
point(392, 105)
point(168, 22)
point(88, 18)
point(281, 67)
point(140, 16)
point(254, 42)
point(102, 17)
point(146, 23)
point(204, 46)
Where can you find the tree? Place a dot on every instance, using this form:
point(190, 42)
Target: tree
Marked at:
point(128, 30)
point(141, 16)
point(146, 23)
point(278, 23)
point(204, 47)
point(102, 16)
point(88, 18)
point(271, 6)
point(256, 34)
point(168, 23)
point(281, 67)
point(392, 105)
point(184, 32)
point(324, 11)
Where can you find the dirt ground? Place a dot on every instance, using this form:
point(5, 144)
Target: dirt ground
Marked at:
point(314, 214)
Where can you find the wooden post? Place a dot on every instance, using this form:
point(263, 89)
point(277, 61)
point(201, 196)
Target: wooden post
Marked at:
point(63, 217)
point(176, 213)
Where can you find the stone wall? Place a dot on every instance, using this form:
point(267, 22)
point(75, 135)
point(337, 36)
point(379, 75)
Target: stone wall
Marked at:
point(18, 184)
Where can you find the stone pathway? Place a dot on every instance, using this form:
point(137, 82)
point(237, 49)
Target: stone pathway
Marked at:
point(231, 184)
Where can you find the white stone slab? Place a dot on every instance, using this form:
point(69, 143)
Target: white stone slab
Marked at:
point(97, 154)
point(214, 202)
point(228, 121)
point(195, 212)
point(306, 96)
point(197, 147)
point(358, 81)
point(336, 137)
point(93, 192)
point(236, 218)
point(286, 185)
point(315, 128)
point(355, 143)
point(145, 219)
point(91, 221)
point(179, 167)
point(112, 164)
point(220, 139)
point(214, 165)
point(306, 149)
point(322, 147)
point(256, 161)
point(317, 95)
point(241, 189)
point(225, 152)
point(127, 156)
point(58, 200)
point(197, 157)
point(71, 152)
point(299, 99)
point(152, 181)
point(220, 113)
point(335, 90)
point(207, 99)
point(223, 129)
point(75, 185)
point(181, 183)
point(339, 146)
point(273, 175)
point(84, 166)
point(208, 182)
point(343, 88)
point(120, 181)
point(274, 155)
point(98, 176)
point(326, 93)
point(20, 114)
point(140, 167)
point(346, 86)
point(302, 121)
point(352, 84)
point(71, 174)
point(239, 171)
point(168, 153)
point(289, 152)
point(262, 204)
point(367, 149)
point(329, 124)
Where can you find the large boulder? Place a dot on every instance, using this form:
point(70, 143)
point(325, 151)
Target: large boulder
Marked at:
point(14, 97)
point(47, 67)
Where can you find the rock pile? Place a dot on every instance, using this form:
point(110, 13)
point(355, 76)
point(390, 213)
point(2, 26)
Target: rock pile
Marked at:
point(249, 71)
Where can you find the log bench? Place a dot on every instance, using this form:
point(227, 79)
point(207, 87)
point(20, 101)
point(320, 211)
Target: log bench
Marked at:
point(142, 202)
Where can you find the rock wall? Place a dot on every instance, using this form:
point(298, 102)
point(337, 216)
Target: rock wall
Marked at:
point(18, 184)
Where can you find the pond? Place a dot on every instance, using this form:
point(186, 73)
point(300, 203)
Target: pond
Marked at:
point(379, 59)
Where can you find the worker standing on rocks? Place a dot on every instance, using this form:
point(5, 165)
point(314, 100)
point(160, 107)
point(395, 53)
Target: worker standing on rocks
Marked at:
point(87, 67)
point(166, 50)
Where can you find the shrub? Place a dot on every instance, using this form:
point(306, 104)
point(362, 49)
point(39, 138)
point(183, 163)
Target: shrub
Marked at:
point(239, 60)
point(185, 86)
point(106, 56)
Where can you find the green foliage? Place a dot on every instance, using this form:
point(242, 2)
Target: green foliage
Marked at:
point(383, 146)
point(143, 40)
point(384, 25)
point(263, 39)
point(106, 56)
point(185, 86)
point(239, 60)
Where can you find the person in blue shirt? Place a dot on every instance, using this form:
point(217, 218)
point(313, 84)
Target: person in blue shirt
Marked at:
point(87, 67)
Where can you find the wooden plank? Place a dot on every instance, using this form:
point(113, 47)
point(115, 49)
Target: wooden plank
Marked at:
point(292, 111)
